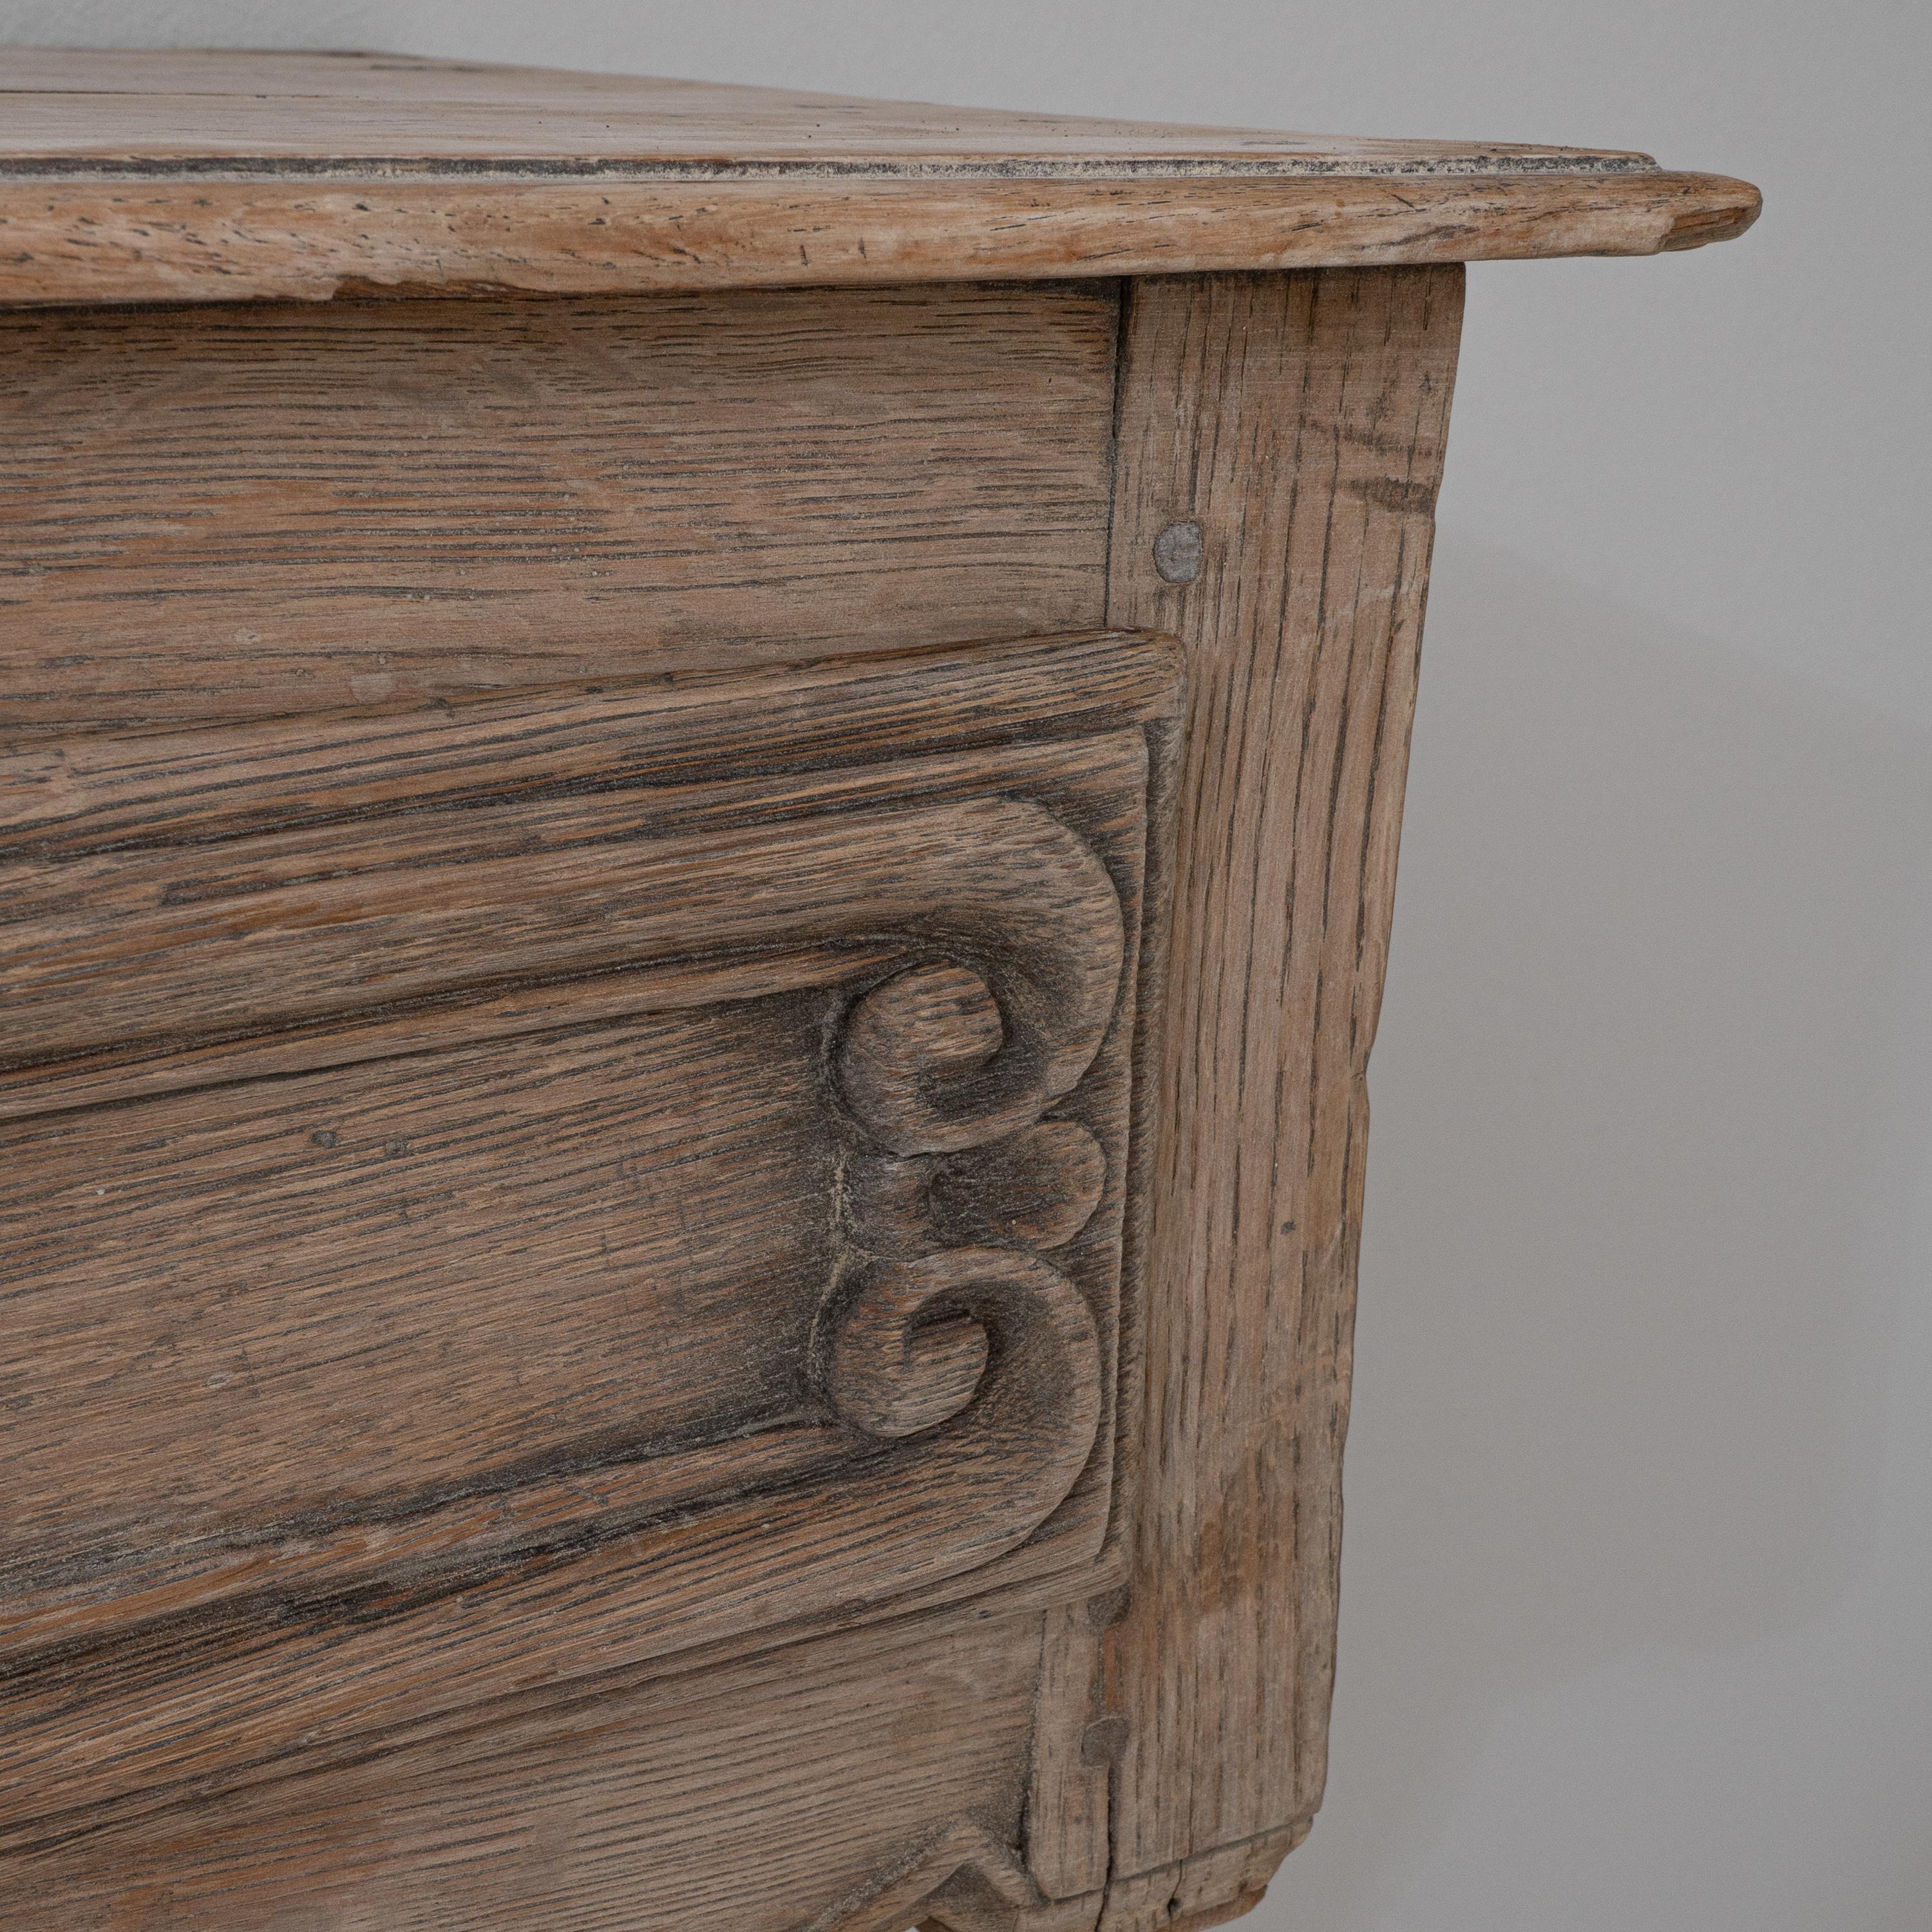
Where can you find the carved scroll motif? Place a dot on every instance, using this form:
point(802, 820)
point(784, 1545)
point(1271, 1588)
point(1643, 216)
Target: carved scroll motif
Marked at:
point(960, 1371)
point(942, 1309)
point(1010, 946)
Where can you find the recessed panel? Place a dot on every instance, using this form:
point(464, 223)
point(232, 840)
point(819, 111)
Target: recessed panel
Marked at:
point(270, 1308)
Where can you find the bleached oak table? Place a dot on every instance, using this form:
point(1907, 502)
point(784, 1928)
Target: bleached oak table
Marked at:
point(699, 791)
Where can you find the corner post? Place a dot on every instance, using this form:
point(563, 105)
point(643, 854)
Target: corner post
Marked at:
point(1280, 446)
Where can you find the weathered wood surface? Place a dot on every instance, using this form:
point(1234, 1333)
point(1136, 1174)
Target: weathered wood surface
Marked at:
point(1302, 628)
point(1209, 1888)
point(565, 1126)
point(62, 243)
point(732, 1280)
point(132, 107)
point(234, 513)
point(829, 1784)
point(180, 946)
point(129, 177)
point(102, 789)
point(1074, 1745)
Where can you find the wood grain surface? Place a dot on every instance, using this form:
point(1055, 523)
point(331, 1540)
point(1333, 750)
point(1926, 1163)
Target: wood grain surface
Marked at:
point(69, 794)
point(234, 513)
point(486, 1345)
point(140, 950)
point(806, 1787)
point(141, 107)
point(1302, 628)
point(134, 177)
point(64, 242)
point(1075, 1742)
point(619, 1313)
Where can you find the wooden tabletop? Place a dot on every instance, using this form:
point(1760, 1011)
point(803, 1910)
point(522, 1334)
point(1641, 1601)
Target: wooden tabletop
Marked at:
point(137, 175)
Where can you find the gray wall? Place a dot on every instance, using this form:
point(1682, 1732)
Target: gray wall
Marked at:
point(1637, 1620)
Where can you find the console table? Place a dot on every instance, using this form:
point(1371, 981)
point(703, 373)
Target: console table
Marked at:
point(699, 791)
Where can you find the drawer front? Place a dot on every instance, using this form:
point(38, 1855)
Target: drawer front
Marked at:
point(243, 512)
point(495, 1195)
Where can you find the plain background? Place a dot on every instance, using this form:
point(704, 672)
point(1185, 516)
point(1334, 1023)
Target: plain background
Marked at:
point(1636, 1626)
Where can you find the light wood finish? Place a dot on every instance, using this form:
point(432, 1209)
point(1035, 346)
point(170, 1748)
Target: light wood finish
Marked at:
point(1303, 630)
point(220, 241)
point(138, 108)
point(262, 1353)
point(688, 969)
point(84, 794)
point(216, 177)
point(610, 1811)
point(1209, 1889)
point(227, 513)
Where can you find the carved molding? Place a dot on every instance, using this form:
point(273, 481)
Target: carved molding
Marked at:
point(942, 1299)
point(136, 954)
point(962, 1879)
point(946, 851)
point(962, 1372)
point(942, 1066)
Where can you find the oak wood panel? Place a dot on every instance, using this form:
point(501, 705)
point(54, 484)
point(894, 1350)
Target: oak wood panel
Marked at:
point(758, 1797)
point(71, 793)
point(138, 107)
point(1302, 625)
point(63, 241)
point(305, 1303)
point(551, 841)
point(921, 1079)
point(221, 514)
point(136, 947)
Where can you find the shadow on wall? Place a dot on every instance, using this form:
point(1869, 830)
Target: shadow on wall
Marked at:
point(1648, 1118)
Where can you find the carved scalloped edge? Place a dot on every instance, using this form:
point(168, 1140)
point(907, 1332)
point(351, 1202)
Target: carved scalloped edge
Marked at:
point(966, 1880)
point(963, 1880)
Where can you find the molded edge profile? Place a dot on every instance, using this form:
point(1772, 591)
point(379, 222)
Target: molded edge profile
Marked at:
point(85, 240)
